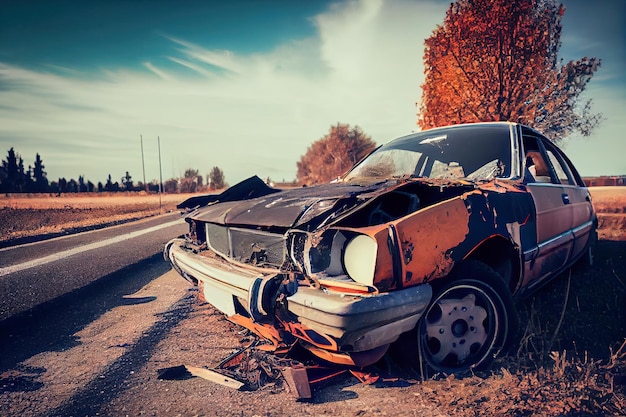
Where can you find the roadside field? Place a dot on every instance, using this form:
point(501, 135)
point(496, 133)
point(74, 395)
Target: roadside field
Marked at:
point(610, 205)
point(29, 216)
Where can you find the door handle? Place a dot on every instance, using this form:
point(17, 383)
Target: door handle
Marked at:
point(565, 198)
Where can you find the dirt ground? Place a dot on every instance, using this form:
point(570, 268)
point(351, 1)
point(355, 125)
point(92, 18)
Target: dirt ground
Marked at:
point(576, 376)
point(571, 368)
point(111, 365)
point(571, 360)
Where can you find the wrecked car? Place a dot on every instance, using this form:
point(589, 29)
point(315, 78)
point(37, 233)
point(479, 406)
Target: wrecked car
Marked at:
point(424, 243)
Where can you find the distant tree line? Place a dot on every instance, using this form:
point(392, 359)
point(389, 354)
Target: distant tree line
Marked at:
point(15, 178)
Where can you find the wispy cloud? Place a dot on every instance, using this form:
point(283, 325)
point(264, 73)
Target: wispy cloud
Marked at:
point(162, 74)
point(194, 67)
point(225, 60)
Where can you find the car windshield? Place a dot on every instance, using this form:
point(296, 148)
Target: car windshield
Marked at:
point(475, 152)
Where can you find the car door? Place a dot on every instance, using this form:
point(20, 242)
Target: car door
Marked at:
point(553, 213)
point(578, 199)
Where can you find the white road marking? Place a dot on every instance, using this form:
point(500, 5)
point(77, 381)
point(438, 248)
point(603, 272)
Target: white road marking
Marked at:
point(67, 253)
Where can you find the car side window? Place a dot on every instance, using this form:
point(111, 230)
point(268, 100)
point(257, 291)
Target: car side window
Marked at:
point(560, 167)
point(537, 168)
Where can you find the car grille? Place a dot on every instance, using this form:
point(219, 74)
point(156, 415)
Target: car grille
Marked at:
point(245, 245)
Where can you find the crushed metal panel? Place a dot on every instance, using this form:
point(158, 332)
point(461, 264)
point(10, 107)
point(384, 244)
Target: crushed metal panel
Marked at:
point(384, 270)
point(288, 207)
point(440, 229)
point(246, 189)
point(268, 332)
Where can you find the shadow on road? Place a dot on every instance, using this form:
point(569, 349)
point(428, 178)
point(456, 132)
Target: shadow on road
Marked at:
point(51, 326)
point(89, 399)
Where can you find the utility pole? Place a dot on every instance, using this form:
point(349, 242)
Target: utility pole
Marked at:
point(143, 165)
point(160, 174)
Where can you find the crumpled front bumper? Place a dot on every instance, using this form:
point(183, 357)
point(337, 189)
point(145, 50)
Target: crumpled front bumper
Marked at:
point(356, 322)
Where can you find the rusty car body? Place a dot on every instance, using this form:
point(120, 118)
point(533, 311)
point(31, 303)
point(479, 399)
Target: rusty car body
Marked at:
point(430, 237)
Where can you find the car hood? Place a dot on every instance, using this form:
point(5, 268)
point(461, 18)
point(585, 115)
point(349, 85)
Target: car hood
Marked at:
point(292, 207)
point(253, 204)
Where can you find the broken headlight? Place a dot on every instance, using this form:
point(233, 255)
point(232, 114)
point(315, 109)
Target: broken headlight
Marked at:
point(359, 259)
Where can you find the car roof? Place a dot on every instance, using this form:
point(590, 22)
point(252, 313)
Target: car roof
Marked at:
point(455, 127)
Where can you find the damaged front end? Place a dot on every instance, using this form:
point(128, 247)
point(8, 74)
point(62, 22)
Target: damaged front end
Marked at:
point(345, 290)
point(337, 319)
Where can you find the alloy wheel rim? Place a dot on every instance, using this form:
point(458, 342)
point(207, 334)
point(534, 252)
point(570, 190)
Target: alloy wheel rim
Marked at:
point(461, 327)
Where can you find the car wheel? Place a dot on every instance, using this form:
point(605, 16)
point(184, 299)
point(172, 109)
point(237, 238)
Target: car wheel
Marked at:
point(468, 322)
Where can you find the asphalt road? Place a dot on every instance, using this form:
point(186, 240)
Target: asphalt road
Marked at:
point(36, 273)
point(78, 313)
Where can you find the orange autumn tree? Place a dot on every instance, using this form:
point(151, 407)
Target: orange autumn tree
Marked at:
point(334, 154)
point(494, 60)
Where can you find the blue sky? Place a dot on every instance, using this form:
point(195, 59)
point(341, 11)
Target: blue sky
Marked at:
point(245, 85)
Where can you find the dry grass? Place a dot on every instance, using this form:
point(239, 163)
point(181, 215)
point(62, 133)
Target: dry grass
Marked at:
point(24, 216)
point(569, 387)
point(610, 206)
point(609, 199)
point(90, 200)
